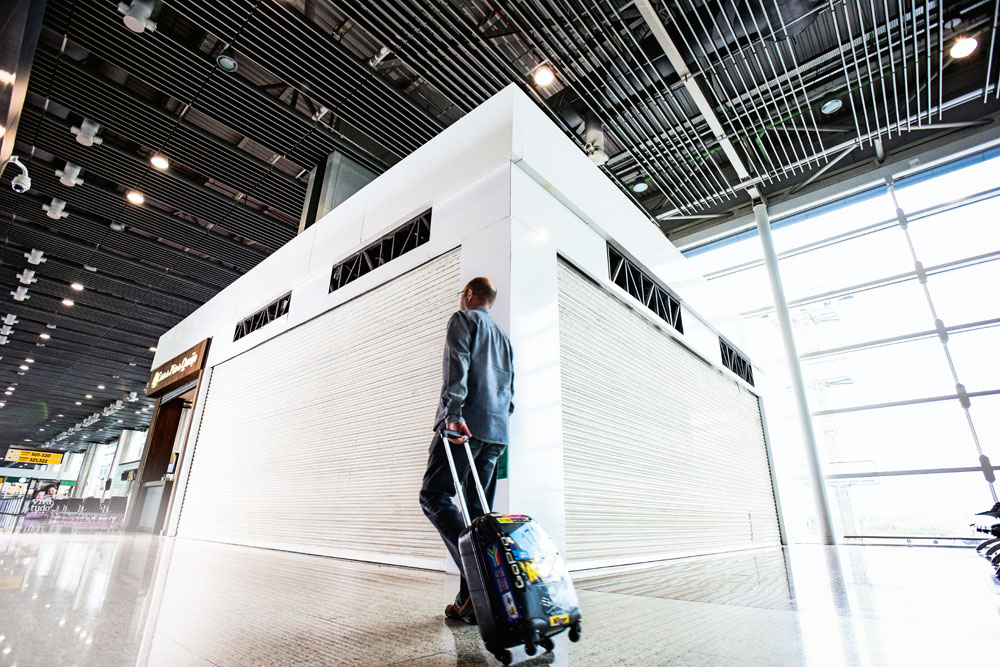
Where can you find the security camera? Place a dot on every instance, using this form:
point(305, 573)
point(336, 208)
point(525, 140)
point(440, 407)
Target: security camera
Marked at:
point(22, 182)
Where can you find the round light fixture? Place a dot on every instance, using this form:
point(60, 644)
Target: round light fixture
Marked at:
point(88, 396)
point(963, 47)
point(135, 197)
point(67, 302)
point(639, 187)
point(78, 403)
point(227, 61)
point(77, 286)
point(159, 161)
point(23, 367)
point(44, 336)
point(543, 75)
point(100, 386)
point(152, 349)
point(832, 106)
point(58, 415)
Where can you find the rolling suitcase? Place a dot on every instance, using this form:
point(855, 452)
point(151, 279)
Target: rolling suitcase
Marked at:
point(521, 590)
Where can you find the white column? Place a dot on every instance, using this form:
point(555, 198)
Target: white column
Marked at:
point(795, 372)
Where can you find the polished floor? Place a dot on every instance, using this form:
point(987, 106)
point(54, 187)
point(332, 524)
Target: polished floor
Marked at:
point(108, 600)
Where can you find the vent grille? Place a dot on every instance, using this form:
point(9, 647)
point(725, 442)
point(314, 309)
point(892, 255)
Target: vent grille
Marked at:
point(647, 291)
point(402, 240)
point(264, 316)
point(736, 362)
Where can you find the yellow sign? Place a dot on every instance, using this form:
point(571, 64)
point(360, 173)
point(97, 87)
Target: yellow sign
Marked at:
point(561, 619)
point(10, 582)
point(28, 456)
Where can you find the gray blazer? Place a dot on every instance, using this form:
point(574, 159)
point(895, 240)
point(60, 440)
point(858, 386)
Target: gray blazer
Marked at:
point(478, 372)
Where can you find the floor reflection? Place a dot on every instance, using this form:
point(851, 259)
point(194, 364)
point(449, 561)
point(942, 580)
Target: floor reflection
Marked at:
point(139, 601)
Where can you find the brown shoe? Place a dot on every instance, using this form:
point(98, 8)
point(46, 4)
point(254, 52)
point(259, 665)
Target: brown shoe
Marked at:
point(461, 612)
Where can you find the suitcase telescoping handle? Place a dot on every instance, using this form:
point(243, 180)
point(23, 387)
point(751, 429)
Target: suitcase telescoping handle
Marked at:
point(445, 434)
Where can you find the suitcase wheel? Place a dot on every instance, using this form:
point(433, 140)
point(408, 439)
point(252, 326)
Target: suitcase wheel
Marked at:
point(547, 644)
point(504, 656)
point(574, 632)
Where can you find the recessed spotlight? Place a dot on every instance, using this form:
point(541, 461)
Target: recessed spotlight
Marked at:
point(227, 60)
point(159, 161)
point(963, 47)
point(77, 286)
point(29, 360)
point(100, 386)
point(78, 403)
point(27, 439)
point(152, 349)
point(121, 421)
point(58, 415)
point(88, 396)
point(8, 393)
point(23, 367)
point(44, 336)
point(639, 187)
point(135, 197)
point(67, 302)
point(543, 75)
point(11, 388)
point(41, 429)
point(831, 106)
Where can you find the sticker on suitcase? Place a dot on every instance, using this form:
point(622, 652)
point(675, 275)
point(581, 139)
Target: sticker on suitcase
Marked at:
point(511, 607)
point(561, 619)
point(513, 518)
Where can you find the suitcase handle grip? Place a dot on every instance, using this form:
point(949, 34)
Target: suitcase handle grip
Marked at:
point(460, 490)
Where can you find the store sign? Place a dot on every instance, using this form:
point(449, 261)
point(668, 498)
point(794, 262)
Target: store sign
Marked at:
point(28, 456)
point(179, 370)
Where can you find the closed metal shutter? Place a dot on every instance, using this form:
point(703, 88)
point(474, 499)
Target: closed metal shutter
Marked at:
point(664, 455)
point(316, 440)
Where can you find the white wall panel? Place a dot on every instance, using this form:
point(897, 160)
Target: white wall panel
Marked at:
point(316, 441)
point(664, 455)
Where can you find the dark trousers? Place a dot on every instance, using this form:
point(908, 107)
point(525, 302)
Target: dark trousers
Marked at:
point(438, 490)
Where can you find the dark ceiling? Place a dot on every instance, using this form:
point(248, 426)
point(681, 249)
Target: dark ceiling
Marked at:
point(375, 80)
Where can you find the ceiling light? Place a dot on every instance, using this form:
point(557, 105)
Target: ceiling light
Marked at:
point(41, 429)
point(86, 133)
point(137, 15)
point(135, 197)
point(88, 396)
point(8, 393)
point(100, 386)
point(226, 60)
point(67, 302)
point(78, 403)
point(77, 286)
point(963, 47)
point(44, 336)
point(50, 326)
point(27, 439)
point(121, 421)
point(152, 349)
point(58, 415)
point(7, 78)
point(11, 388)
point(639, 187)
point(543, 75)
point(29, 360)
point(831, 106)
point(88, 267)
point(159, 161)
point(23, 367)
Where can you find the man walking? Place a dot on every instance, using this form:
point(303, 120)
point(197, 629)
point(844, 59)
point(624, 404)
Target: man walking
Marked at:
point(477, 399)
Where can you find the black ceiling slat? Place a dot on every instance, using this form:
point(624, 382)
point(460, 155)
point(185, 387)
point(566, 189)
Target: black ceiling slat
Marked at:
point(224, 19)
point(75, 335)
point(87, 312)
point(29, 236)
point(179, 230)
point(103, 102)
point(60, 270)
point(81, 226)
point(90, 297)
point(86, 331)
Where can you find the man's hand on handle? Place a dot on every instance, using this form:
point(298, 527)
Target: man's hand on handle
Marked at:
point(458, 427)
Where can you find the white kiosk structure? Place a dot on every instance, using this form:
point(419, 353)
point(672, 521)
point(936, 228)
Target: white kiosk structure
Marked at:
point(632, 441)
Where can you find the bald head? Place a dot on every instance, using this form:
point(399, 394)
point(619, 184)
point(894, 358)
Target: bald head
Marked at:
point(479, 292)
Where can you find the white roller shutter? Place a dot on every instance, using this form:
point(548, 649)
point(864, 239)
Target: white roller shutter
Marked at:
point(664, 455)
point(316, 440)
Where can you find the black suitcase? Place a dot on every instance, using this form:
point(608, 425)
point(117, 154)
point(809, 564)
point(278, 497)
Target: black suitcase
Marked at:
point(521, 590)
